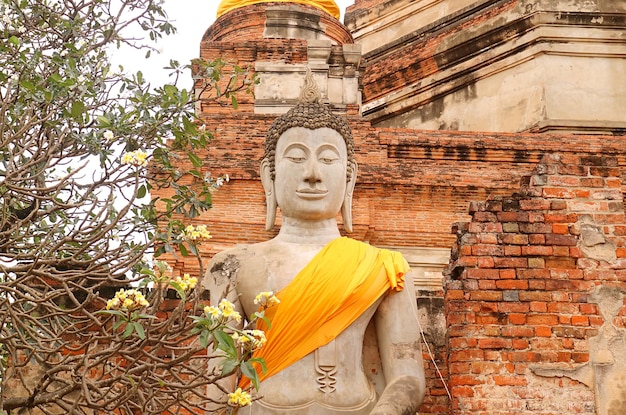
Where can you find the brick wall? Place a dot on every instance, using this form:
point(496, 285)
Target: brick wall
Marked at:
point(519, 289)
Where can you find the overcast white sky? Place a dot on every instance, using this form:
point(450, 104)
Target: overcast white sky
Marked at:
point(191, 18)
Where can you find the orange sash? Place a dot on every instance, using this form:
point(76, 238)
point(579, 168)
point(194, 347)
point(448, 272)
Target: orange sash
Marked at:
point(339, 284)
point(329, 6)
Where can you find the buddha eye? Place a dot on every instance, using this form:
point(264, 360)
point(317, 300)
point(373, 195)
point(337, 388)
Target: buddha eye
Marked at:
point(327, 160)
point(295, 155)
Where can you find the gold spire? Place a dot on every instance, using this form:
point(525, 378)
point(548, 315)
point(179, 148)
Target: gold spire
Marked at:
point(329, 6)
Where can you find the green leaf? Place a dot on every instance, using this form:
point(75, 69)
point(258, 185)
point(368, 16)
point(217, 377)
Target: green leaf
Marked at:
point(248, 370)
point(139, 329)
point(170, 90)
point(229, 366)
point(225, 343)
point(205, 336)
point(77, 110)
point(260, 361)
point(234, 102)
point(14, 40)
point(141, 192)
point(129, 330)
point(195, 160)
point(183, 250)
point(103, 121)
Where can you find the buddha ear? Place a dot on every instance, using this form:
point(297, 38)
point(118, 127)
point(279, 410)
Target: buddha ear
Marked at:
point(346, 208)
point(270, 194)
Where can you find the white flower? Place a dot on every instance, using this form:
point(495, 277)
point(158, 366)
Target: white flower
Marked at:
point(108, 135)
point(80, 44)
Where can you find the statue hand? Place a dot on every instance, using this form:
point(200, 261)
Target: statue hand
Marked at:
point(403, 396)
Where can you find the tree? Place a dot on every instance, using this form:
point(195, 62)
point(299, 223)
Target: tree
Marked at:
point(85, 321)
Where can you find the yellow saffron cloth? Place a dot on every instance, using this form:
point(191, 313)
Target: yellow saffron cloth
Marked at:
point(339, 284)
point(329, 6)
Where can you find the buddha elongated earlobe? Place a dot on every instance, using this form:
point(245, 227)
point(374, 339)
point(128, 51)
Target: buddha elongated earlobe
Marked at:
point(270, 194)
point(346, 208)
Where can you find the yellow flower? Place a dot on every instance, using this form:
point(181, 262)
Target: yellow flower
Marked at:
point(195, 233)
point(266, 299)
point(212, 312)
point(239, 398)
point(136, 158)
point(228, 310)
point(186, 282)
point(127, 300)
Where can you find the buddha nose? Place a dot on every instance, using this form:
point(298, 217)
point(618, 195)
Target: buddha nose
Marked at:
point(312, 171)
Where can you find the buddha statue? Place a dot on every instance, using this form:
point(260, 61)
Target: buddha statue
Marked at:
point(330, 287)
point(329, 6)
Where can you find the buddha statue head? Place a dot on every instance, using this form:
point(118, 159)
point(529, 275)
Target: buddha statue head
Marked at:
point(309, 169)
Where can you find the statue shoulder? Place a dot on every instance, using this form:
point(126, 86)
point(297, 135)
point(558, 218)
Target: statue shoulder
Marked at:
point(226, 267)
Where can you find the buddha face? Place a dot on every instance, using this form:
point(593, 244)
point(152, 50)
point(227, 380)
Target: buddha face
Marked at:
point(310, 166)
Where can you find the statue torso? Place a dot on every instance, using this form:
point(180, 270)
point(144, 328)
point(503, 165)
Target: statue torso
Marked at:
point(327, 381)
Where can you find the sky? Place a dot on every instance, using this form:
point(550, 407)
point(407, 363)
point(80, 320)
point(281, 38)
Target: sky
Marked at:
point(191, 18)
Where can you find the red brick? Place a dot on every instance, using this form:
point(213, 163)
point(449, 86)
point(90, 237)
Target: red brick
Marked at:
point(466, 355)
point(512, 250)
point(542, 319)
point(558, 193)
point(539, 228)
point(515, 318)
point(486, 284)
point(537, 250)
point(543, 331)
point(513, 239)
point(487, 250)
point(486, 262)
point(510, 380)
point(512, 307)
point(494, 343)
point(510, 262)
point(486, 296)
point(477, 273)
point(512, 284)
point(506, 274)
point(538, 307)
point(517, 331)
point(480, 227)
point(535, 296)
point(556, 239)
point(580, 321)
point(560, 262)
point(534, 204)
point(560, 228)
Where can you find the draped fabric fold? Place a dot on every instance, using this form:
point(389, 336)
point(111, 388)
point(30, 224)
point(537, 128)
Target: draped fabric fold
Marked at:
point(329, 6)
point(339, 284)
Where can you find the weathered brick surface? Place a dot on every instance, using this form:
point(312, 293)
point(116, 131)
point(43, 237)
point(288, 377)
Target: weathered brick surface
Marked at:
point(537, 313)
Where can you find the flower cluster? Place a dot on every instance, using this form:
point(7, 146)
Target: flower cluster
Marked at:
point(186, 282)
point(266, 299)
point(195, 233)
point(224, 310)
point(250, 339)
point(127, 300)
point(239, 398)
point(137, 158)
point(217, 182)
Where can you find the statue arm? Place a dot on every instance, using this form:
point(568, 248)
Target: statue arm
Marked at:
point(399, 344)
